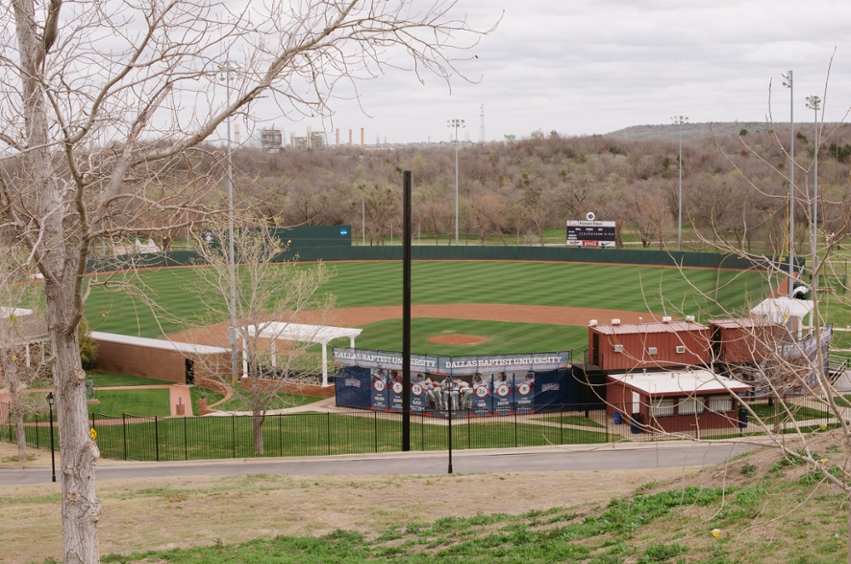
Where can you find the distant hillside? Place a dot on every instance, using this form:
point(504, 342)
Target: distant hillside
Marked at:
point(670, 132)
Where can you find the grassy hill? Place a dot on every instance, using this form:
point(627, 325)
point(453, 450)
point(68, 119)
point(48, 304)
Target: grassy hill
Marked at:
point(760, 508)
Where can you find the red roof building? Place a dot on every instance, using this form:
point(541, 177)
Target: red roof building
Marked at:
point(649, 345)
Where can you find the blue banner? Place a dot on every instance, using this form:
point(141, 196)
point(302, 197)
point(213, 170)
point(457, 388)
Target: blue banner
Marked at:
point(503, 393)
point(419, 394)
point(353, 388)
point(380, 383)
point(524, 394)
point(479, 395)
point(395, 391)
point(482, 395)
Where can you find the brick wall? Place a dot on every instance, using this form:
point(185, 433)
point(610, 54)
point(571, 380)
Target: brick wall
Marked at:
point(149, 362)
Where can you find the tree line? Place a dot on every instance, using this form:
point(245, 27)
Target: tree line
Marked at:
point(512, 192)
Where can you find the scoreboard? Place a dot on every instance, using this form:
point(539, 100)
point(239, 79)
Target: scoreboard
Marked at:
point(590, 233)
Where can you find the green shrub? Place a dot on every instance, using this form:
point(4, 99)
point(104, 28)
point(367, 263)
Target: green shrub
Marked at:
point(88, 346)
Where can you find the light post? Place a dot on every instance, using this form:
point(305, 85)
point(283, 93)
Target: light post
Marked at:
point(231, 252)
point(788, 83)
point(449, 405)
point(813, 102)
point(680, 120)
point(456, 123)
point(52, 452)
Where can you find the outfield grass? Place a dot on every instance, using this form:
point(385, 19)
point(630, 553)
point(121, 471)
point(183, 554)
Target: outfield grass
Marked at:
point(502, 337)
point(356, 284)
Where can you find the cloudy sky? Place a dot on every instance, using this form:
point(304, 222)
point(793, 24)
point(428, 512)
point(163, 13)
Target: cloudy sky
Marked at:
point(595, 66)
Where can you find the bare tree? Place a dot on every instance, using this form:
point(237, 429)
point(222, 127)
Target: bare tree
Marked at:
point(783, 359)
point(102, 101)
point(270, 296)
point(21, 331)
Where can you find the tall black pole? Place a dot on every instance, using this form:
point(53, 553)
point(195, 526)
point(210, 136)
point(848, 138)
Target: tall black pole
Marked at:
point(449, 405)
point(406, 311)
point(52, 452)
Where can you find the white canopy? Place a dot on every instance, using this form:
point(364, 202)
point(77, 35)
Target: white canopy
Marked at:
point(783, 310)
point(321, 334)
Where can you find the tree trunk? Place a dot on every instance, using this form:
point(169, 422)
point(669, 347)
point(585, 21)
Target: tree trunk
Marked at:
point(77, 451)
point(257, 421)
point(58, 254)
point(17, 409)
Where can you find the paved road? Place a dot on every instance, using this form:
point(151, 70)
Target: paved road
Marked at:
point(603, 457)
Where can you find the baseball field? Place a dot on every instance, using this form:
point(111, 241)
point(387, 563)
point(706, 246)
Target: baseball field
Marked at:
point(474, 307)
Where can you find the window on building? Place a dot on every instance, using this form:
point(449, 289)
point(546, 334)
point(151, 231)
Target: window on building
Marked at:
point(691, 406)
point(721, 404)
point(662, 407)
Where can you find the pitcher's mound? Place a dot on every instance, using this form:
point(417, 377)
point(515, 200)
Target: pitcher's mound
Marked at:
point(457, 339)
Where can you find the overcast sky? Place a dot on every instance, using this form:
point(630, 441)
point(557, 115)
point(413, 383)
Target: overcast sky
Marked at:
point(594, 66)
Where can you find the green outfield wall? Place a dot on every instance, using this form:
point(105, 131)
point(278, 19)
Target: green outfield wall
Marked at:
point(334, 243)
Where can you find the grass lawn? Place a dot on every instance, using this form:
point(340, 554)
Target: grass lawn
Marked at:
point(573, 420)
point(503, 337)
point(281, 401)
point(142, 403)
point(799, 413)
point(106, 379)
point(315, 434)
point(359, 284)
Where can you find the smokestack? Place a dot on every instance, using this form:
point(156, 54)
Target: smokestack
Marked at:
point(236, 133)
point(338, 136)
point(362, 141)
point(350, 138)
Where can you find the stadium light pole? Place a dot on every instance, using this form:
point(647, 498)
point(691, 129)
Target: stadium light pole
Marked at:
point(680, 120)
point(455, 124)
point(788, 83)
point(231, 251)
point(814, 103)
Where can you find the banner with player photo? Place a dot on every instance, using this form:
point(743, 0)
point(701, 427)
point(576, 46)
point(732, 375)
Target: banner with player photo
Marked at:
point(464, 386)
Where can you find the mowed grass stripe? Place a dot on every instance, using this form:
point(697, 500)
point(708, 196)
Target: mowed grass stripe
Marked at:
point(503, 337)
point(379, 283)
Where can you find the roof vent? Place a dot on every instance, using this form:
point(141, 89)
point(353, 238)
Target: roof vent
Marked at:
point(616, 321)
point(666, 319)
point(690, 318)
point(592, 323)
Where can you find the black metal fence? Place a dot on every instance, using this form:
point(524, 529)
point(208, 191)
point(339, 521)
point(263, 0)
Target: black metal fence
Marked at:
point(317, 434)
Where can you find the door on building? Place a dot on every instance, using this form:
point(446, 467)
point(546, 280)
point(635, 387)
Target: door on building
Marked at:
point(190, 371)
